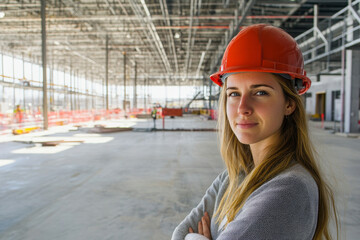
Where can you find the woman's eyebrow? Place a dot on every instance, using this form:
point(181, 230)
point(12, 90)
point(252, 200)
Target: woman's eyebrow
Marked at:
point(229, 88)
point(252, 86)
point(261, 85)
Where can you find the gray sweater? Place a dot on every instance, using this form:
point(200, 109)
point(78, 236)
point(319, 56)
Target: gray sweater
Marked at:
point(285, 207)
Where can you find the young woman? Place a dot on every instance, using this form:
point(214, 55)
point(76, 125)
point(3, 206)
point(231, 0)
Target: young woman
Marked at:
point(272, 187)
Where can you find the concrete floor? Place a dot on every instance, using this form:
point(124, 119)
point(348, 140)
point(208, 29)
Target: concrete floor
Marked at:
point(134, 185)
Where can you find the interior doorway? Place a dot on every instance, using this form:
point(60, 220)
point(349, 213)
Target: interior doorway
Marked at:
point(320, 103)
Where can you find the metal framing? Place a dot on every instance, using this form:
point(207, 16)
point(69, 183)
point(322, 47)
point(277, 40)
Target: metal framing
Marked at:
point(172, 35)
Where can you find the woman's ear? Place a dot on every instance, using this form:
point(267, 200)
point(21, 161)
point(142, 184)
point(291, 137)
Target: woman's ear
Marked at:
point(290, 107)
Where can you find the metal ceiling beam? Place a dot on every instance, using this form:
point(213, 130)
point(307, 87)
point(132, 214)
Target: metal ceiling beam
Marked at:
point(106, 18)
point(151, 28)
point(157, 39)
point(81, 26)
point(192, 2)
point(244, 10)
point(293, 10)
point(167, 21)
point(110, 7)
point(202, 57)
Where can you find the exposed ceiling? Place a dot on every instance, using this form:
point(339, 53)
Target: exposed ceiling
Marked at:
point(172, 42)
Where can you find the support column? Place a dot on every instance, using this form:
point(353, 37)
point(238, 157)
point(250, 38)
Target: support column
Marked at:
point(2, 78)
point(166, 95)
point(23, 82)
point(13, 82)
point(124, 103)
point(51, 87)
point(77, 90)
point(71, 90)
point(33, 105)
point(107, 72)
point(179, 94)
point(352, 93)
point(210, 88)
point(92, 93)
point(86, 89)
point(117, 93)
point(135, 97)
point(43, 48)
point(73, 87)
point(65, 92)
point(352, 82)
point(145, 86)
point(315, 22)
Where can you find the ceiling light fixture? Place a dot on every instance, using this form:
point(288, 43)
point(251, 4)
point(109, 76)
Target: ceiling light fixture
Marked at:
point(2, 14)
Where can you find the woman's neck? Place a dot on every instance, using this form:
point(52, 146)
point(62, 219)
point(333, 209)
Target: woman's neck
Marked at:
point(260, 149)
point(258, 154)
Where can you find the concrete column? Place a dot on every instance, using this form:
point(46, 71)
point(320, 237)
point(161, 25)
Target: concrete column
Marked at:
point(23, 83)
point(51, 88)
point(328, 104)
point(166, 95)
point(107, 72)
point(13, 81)
point(65, 91)
point(92, 93)
point(86, 88)
point(352, 85)
point(145, 88)
point(124, 103)
point(2, 78)
point(315, 22)
point(179, 94)
point(210, 88)
point(43, 47)
point(135, 79)
point(71, 90)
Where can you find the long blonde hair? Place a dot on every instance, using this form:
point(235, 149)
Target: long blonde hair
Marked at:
point(294, 144)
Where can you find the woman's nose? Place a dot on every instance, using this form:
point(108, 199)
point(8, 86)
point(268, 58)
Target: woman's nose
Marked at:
point(245, 107)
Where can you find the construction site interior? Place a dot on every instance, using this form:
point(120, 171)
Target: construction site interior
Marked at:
point(108, 117)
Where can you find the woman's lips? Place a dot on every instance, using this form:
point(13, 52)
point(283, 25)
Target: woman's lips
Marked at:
point(246, 125)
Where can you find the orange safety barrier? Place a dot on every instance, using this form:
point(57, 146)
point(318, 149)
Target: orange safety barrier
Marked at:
point(34, 119)
point(213, 114)
point(172, 112)
point(9, 123)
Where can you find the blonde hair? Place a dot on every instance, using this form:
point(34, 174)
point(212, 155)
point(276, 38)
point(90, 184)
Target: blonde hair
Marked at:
point(293, 144)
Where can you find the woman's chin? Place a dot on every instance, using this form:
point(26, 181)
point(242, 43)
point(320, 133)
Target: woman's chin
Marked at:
point(245, 138)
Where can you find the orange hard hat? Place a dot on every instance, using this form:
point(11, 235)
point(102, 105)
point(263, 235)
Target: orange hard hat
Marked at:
point(264, 48)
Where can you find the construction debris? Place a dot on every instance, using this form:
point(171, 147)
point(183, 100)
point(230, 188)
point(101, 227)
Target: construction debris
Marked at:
point(55, 143)
point(104, 129)
point(49, 143)
point(20, 131)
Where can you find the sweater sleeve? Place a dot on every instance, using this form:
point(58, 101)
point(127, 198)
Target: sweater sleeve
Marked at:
point(283, 208)
point(207, 204)
point(195, 236)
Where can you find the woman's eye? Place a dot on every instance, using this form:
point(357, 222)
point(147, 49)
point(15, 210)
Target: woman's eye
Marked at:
point(233, 94)
point(261, 93)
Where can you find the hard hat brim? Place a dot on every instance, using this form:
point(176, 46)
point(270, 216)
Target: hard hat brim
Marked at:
point(218, 76)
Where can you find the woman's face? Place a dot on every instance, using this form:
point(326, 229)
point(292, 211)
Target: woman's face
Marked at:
point(255, 107)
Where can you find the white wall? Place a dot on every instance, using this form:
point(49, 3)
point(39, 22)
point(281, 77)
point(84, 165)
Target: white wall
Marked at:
point(327, 84)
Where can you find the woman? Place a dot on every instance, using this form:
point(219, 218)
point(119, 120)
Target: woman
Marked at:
point(272, 188)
